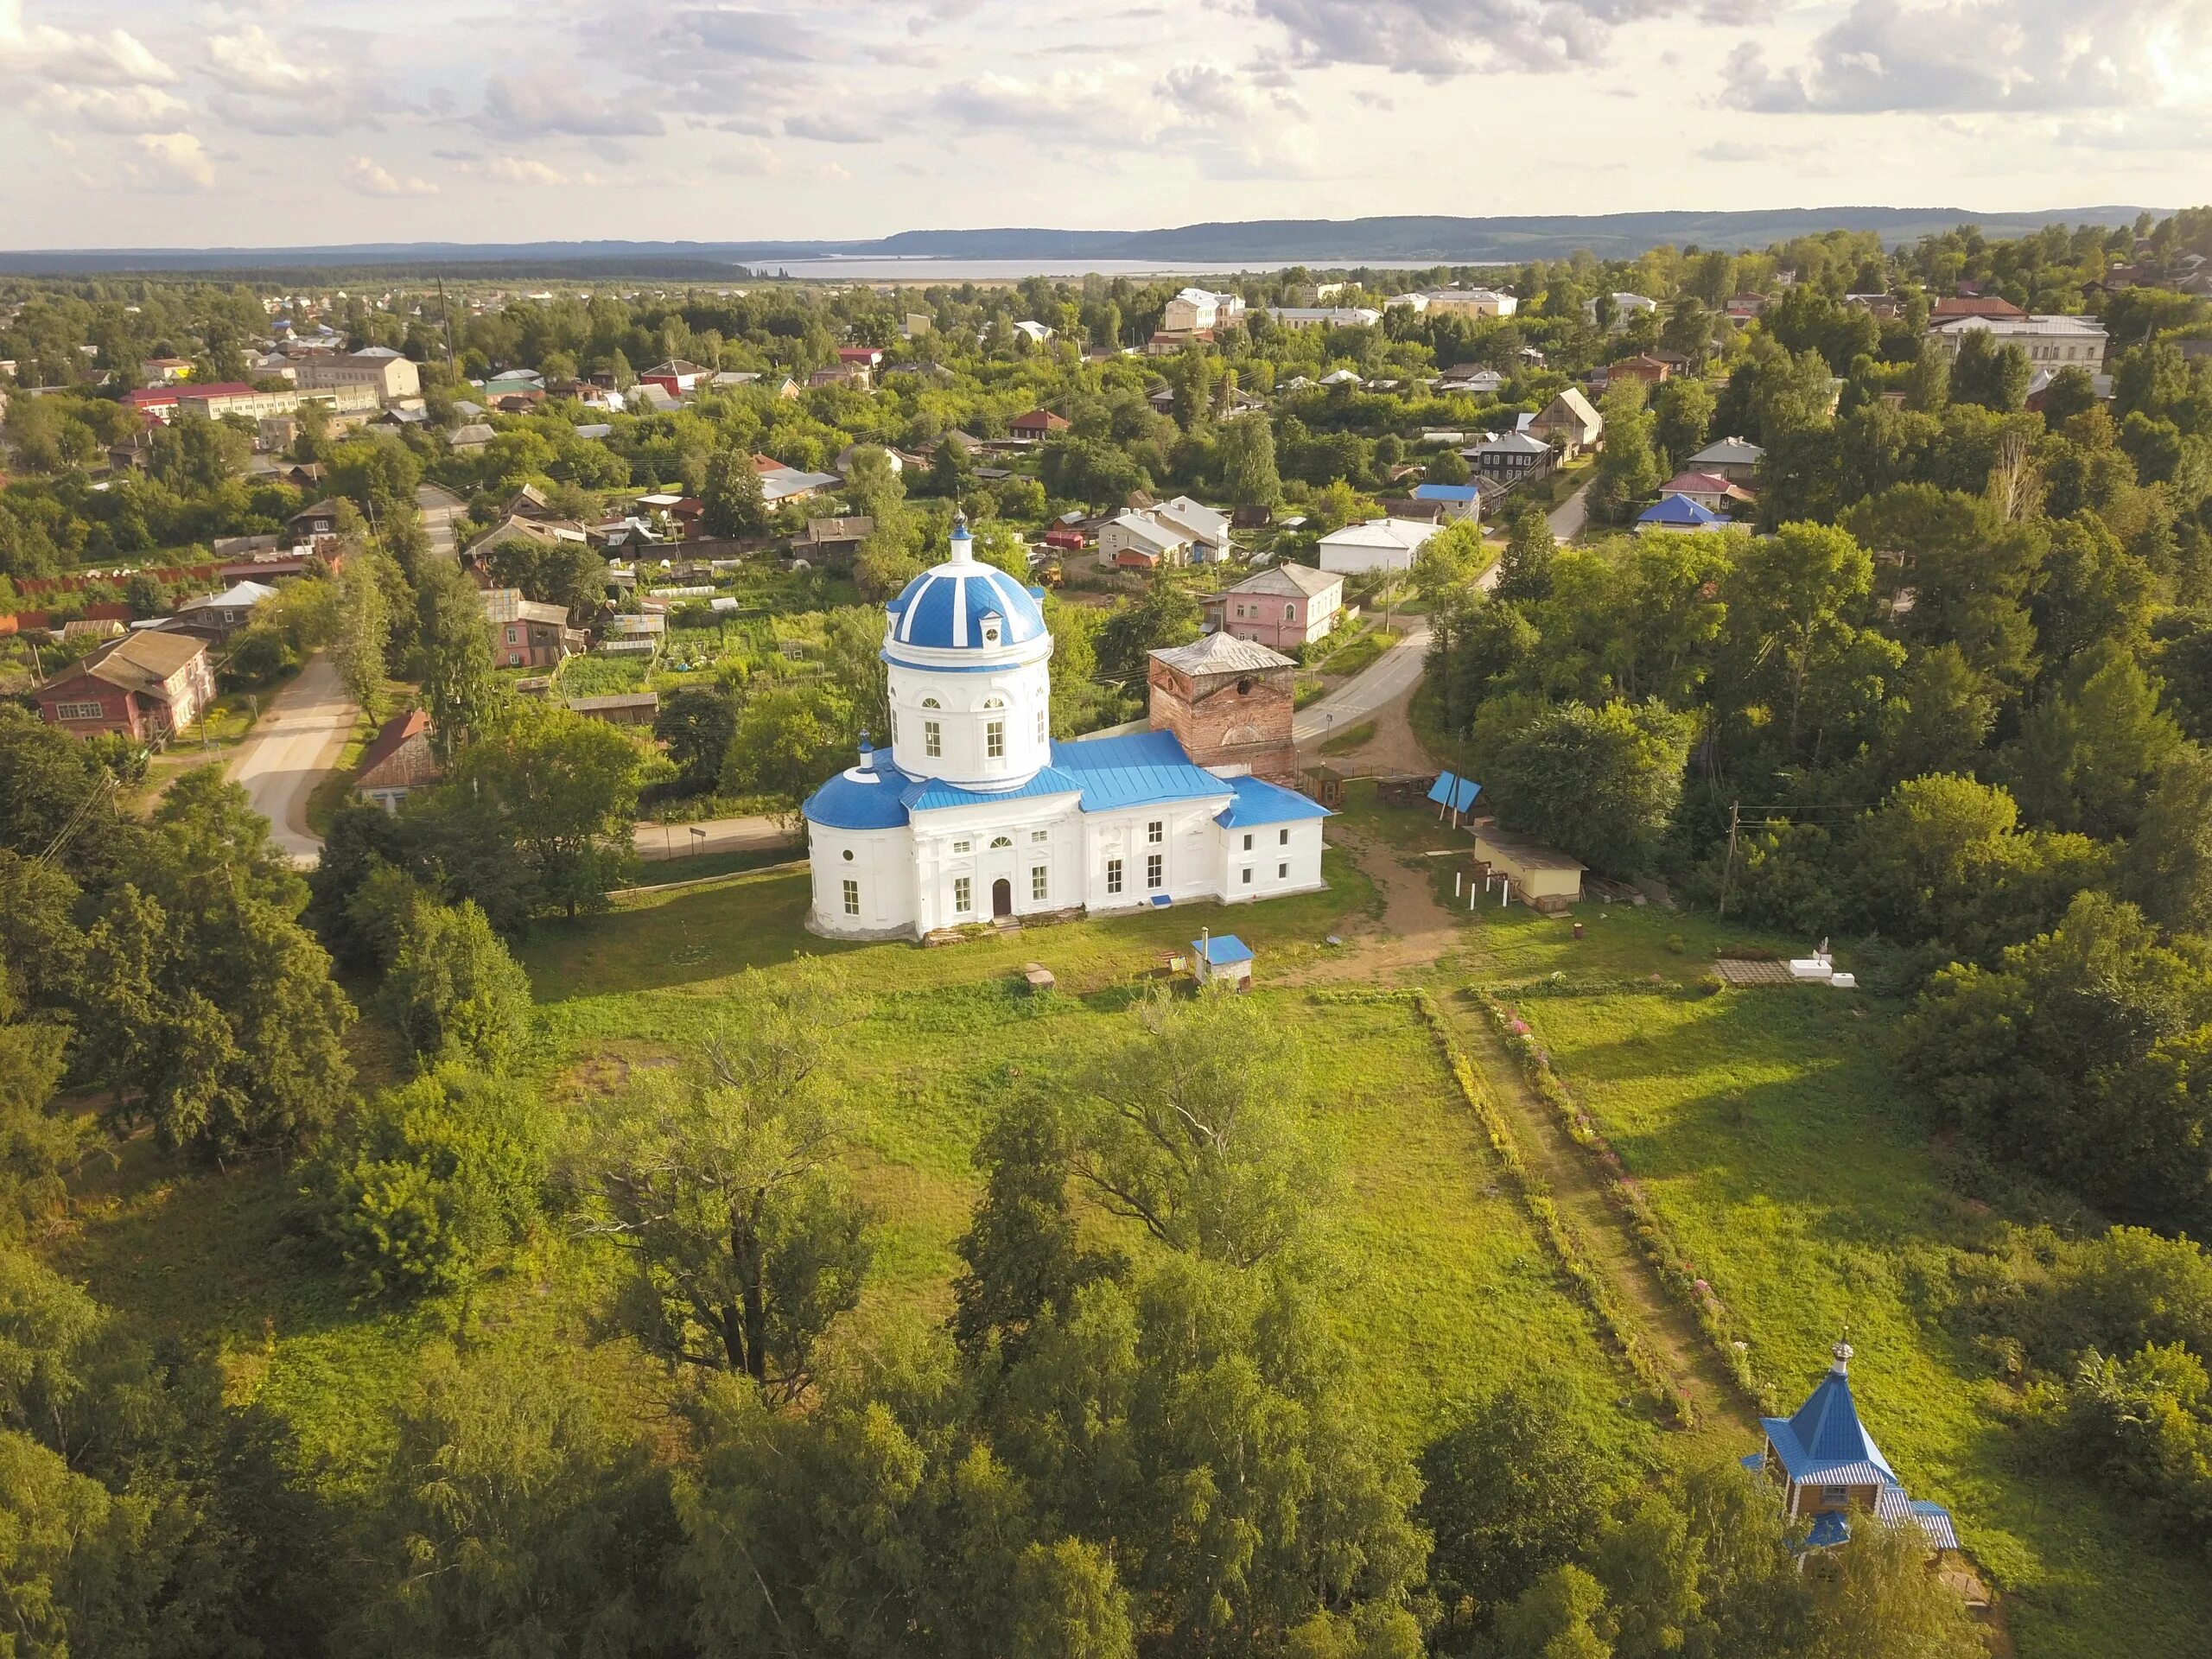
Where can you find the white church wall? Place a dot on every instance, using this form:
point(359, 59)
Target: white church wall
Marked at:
point(1280, 858)
point(960, 703)
point(881, 862)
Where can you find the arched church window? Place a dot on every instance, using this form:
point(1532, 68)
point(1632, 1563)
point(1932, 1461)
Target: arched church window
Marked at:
point(1002, 841)
point(993, 702)
point(932, 702)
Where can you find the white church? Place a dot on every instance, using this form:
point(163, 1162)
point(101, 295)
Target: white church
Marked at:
point(975, 814)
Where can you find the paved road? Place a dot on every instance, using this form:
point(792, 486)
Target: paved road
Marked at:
point(1392, 675)
point(438, 514)
point(1569, 517)
point(659, 841)
point(292, 746)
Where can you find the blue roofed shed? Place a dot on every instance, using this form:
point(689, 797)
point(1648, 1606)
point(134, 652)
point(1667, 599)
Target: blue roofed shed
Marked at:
point(1223, 960)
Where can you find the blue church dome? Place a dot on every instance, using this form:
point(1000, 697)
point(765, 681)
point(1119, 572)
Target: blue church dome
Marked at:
point(947, 606)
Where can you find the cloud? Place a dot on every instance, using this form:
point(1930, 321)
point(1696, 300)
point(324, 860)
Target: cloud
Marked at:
point(110, 57)
point(112, 108)
point(1444, 38)
point(531, 173)
point(173, 161)
point(248, 62)
point(1985, 56)
point(831, 127)
point(542, 105)
point(372, 178)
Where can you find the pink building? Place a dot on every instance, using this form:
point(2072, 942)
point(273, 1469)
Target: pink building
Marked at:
point(1282, 607)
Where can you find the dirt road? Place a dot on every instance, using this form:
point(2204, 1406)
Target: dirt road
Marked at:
point(293, 744)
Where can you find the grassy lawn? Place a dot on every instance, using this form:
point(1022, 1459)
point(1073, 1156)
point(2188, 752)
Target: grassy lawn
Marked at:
point(700, 867)
point(1350, 739)
point(1770, 1128)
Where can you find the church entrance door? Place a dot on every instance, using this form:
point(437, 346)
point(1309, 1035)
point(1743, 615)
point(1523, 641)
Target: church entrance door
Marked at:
point(1001, 897)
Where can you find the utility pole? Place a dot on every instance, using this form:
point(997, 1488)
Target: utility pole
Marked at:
point(1728, 870)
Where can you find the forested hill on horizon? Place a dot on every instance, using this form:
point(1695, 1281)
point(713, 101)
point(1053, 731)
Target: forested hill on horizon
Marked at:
point(1262, 242)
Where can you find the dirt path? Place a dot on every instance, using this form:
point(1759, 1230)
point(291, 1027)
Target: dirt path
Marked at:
point(292, 746)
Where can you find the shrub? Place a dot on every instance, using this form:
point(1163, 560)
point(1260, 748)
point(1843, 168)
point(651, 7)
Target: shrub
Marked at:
point(426, 1183)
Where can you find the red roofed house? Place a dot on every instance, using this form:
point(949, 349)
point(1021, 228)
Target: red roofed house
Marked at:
point(147, 685)
point(397, 761)
point(1972, 305)
point(1037, 423)
point(1707, 490)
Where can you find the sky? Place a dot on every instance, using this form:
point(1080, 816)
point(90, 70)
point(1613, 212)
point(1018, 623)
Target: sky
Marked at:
point(260, 123)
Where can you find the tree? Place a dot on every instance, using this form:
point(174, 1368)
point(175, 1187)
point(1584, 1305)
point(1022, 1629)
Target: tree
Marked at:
point(1556, 1618)
point(1525, 567)
point(696, 724)
point(1164, 615)
point(1790, 599)
point(731, 503)
point(1448, 562)
point(1244, 448)
point(1023, 1263)
point(2166, 867)
point(2088, 757)
point(518, 1519)
point(453, 647)
point(1508, 1491)
point(1873, 1597)
point(873, 485)
point(562, 790)
point(38, 1146)
point(952, 472)
point(365, 627)
point(1202, 1131)
point(422, 1187)
point(205, 1005)
point(1682, 413)
point(1599, 783)
point(721, 1186)
point(1447, 467)
point(452, 990)
point(1995, 377)
point(2082, 1055)
point(788, 739)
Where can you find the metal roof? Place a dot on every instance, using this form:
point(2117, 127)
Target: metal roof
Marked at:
point(1222, 950)
point(1221, 654)
point(932, 794)
point(1259, 802)
point(859, 798)
point(1823, 1442)
point(1138, 770)
point(1678, 510)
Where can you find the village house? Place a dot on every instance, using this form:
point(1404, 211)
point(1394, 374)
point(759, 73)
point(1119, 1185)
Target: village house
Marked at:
point(833, 542)
point(1469, 302)
point(467, 440)
point(1677, 512)
point(1626, 308)
point(1142, 541)
point(527, 633)
point(1734, 458)
point(1708, 490)
point(220, 615)
point(2052, 341)
point(1194, 310)
point(1284, 606)
point(1510, 456)
point(1037, 425)
point(320, 519)
point(389, 375)
point(146, 685)
point(1954, 307)
point(1568, 424)
point(399, 760)
point(1376, 544)
point(1323, 316)
point(1454, 502)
